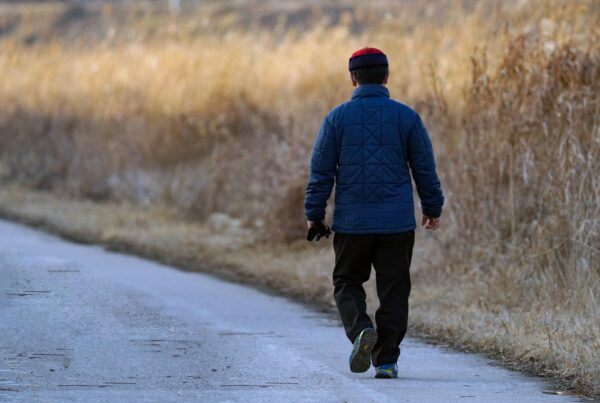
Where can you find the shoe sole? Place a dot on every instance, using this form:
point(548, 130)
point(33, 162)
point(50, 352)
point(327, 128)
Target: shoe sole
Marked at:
point(360, 359)
point(385, 376)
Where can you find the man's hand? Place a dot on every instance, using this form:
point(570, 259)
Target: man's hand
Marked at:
point(317, 230)
point(430, 222)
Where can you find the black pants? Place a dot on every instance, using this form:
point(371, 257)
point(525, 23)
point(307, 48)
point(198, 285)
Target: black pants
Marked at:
point(390, 255)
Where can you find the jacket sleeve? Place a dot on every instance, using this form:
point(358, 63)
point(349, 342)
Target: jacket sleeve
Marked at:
point(323, 167)
point(422, 166)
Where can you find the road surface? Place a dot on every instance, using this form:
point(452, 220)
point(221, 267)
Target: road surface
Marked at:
point(78, 323)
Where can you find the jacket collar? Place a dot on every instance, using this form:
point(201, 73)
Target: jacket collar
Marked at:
point(370, 90)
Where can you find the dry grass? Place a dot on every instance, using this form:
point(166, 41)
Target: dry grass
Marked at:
point(511, 98)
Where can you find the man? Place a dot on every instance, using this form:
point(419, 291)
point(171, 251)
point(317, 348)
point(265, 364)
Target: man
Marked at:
point(370, 146)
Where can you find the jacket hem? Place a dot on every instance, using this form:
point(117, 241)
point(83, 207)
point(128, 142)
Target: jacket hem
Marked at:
point(339, 230)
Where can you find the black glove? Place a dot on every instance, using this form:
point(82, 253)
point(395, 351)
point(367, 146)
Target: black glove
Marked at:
point(318, 231)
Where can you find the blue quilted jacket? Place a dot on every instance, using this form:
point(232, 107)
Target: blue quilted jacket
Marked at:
point(369, 146)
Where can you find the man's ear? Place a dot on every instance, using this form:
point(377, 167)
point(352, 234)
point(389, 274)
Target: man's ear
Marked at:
point(387, 75)
point(353, 79)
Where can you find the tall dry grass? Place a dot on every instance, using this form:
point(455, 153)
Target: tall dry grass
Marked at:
point(525, 185)
point(225, 124)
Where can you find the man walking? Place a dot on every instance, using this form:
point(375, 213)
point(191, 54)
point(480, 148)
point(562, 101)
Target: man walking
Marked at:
point(370, 146)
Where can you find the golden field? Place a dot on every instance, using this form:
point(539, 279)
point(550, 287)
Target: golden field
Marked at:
point(167, 129)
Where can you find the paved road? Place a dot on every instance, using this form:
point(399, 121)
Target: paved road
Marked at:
point(78, 323)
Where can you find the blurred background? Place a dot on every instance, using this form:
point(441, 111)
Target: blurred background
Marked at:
point(208, 110)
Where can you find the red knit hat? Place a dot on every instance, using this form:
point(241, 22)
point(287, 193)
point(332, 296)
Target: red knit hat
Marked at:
point(367, 57)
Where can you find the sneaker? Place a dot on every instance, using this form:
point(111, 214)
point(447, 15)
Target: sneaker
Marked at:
point(386, 371)
point(360, 358)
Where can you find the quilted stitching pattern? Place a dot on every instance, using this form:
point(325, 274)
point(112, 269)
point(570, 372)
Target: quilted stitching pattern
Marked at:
point(371, 160)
